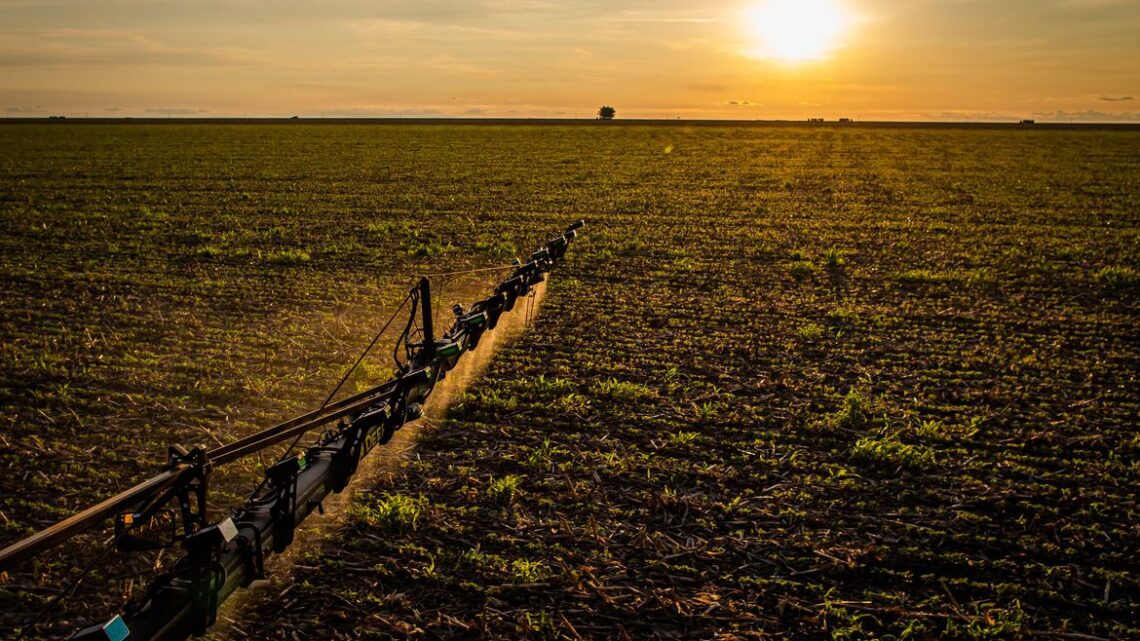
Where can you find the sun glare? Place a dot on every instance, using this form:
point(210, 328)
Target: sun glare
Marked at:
point(796, 30)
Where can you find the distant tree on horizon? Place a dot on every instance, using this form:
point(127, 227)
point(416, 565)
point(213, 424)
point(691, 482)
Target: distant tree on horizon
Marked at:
point(607, 112)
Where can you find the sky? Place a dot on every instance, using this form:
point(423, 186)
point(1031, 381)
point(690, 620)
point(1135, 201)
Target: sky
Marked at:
point(1050, 60)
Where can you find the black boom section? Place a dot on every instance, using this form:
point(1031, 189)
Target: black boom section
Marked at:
point(221, 557)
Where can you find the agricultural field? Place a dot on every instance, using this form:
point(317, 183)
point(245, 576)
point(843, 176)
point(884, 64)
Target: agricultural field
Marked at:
point(791, 382)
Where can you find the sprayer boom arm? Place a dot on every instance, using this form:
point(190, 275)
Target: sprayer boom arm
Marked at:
point(221, 557)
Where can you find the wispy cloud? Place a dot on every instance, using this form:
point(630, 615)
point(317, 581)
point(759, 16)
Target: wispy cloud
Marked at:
point(384, 112)
point(676, 17)
point(93, 47)
point(708, 87)
point(1089, 116)
point(1095, 4)
point(1116, 98)
point(176, 111)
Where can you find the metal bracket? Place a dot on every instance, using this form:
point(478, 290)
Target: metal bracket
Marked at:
point(345, 459)
point(193, 491)
point(494, 308)
point(366, 431)
point(283, 476)
point(207, 575)
point(511, 289)
point(253, 551)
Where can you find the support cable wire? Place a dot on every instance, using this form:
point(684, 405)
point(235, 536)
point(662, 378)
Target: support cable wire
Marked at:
point(500, 268)
point(343, 379)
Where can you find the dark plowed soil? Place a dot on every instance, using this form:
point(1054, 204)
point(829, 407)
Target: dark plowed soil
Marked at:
point(792, 382)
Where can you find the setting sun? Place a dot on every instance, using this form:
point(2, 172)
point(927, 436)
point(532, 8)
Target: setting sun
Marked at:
point(796, 30)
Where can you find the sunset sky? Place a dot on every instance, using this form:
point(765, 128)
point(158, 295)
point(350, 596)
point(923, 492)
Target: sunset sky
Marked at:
point(868, 59)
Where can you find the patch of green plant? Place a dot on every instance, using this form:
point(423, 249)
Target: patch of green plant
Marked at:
point(802, 269)
point(550, 387)
point(429, 249)
point(833, 259)
point(853, 414)
point(989, 623)
point(1118, 278)
point(842, 316)
point(708, 411)
point(540, 457)
point(287, 258)
point(502, 490)
point(681, 439)
point(383, 228)
point(537, 625)
point(623, 391)
point(887, 451)
point(497, 247)
point(809, 332)
point(981, 278)
point(394, 513)
point(915, 276)
point(368, 375)
point(931, 430)
point(495, 400)
point(572, 403)
point(209, 251)
point(527, 571)
point(845, 624)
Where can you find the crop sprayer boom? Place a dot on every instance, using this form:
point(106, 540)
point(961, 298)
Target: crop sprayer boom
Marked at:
point(223, 556)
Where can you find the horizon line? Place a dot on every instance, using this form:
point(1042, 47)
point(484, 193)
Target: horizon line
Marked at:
point(1023, 123)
